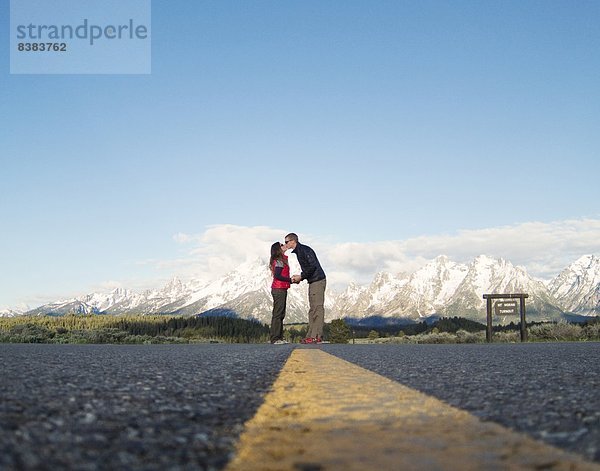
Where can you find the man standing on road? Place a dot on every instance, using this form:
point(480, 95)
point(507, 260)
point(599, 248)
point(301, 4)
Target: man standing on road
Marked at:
point(315, 276)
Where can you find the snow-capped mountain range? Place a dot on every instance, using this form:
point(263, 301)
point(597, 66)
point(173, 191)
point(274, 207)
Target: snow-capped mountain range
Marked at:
point(442, 288)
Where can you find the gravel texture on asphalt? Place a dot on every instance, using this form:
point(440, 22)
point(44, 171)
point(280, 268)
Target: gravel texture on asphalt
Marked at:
point(550, 391)
point(97, 407)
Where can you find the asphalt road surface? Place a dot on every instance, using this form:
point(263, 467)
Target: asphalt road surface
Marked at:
point(129, 407)
point(150, 407)
point(550, 391)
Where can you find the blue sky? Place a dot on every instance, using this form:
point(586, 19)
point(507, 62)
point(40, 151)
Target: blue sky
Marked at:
point(344, 121)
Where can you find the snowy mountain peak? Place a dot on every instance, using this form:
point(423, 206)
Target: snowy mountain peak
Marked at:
point(577, 287)
point(6, 312)
point(495, 275)
point(174, 289)
point(382, 278)
point(441, 274)
point(173, 284)
point(488, 261)
point(13, 311)
point(441, 259)
point(426, 290)
point(586, 264)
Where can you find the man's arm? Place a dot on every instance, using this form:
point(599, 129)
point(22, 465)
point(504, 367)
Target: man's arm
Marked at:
point(311, 264)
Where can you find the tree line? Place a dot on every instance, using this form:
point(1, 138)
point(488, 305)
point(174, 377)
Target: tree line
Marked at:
point(73, 328)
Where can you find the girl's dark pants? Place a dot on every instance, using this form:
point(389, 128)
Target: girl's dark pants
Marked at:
point(279, 301)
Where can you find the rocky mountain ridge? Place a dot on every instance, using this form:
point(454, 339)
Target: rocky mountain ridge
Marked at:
point(440, 288)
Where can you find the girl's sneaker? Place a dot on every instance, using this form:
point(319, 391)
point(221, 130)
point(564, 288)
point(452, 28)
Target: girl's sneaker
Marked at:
point(312, 340)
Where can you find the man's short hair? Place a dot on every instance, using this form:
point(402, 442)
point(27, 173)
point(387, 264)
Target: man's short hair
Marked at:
point(292, 236)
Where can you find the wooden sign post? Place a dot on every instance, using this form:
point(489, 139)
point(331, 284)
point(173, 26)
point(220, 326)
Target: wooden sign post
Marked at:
point(505, 305)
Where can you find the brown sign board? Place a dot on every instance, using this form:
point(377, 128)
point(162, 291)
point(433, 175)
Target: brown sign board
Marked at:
point(506, 304)
point(507, 308)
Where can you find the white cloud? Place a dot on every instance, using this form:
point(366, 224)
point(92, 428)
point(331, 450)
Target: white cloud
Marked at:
point(221, 248)
point(182, 238)
point(543, 248)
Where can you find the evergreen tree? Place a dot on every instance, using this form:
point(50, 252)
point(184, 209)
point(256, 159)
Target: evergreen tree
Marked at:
point(339, 332)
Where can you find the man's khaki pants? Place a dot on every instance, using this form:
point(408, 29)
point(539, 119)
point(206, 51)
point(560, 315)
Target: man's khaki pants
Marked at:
point(316, 311)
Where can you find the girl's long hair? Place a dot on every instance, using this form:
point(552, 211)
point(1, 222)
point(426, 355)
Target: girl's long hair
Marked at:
point(276, 254)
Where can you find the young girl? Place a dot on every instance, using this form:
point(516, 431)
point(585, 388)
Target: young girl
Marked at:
point(281, 283)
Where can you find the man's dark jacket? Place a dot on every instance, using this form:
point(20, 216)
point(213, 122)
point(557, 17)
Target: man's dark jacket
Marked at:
point(311, 268)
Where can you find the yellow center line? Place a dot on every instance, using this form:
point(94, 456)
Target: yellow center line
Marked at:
point(324, 413)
